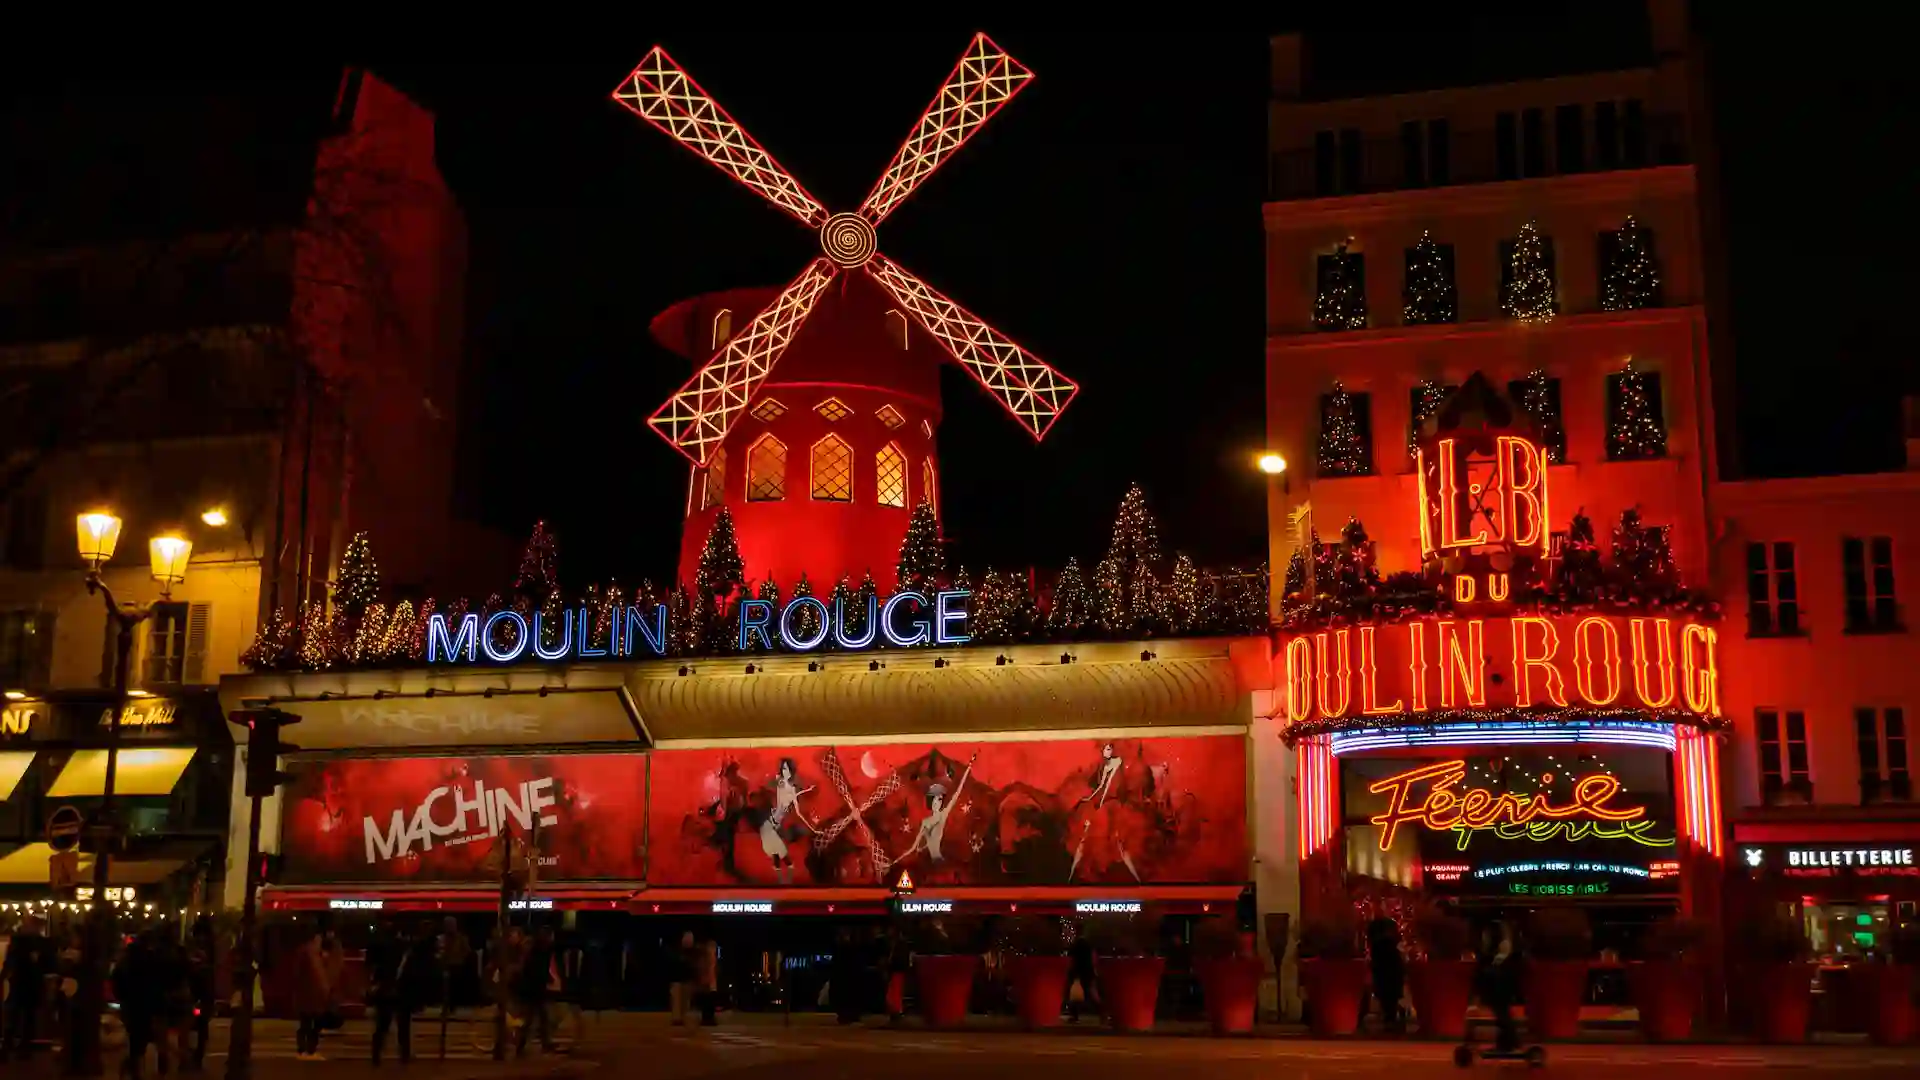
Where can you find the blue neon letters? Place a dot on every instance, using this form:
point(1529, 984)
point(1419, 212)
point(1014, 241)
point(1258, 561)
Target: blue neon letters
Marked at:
point(904, 620)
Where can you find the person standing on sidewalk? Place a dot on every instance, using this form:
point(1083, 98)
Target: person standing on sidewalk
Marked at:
point(23, 974)
point(1080, 977)
point(684, 960)
point(201, 958)
point(706, 978)
point(532, 988)
point(312, 995)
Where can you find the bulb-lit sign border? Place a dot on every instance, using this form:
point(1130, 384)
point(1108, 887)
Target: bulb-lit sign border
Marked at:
point(1448, 808)
point(905, 620)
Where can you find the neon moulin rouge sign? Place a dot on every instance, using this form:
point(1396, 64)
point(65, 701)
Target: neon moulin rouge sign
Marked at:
point(904, 620)
point(1432, 797)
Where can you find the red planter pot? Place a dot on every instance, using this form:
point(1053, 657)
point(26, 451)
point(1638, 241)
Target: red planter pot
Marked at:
point(1230, 987)
point(1667, 993)
point(1783, 1002)
point(1129, 989)
point(1441, 990)
point(1335, 991)
point(1039, 986)
point(1884, 998)
point(946, 986)
point(1555, 989)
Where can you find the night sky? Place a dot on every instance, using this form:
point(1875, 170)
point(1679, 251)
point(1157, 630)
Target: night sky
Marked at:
point(1109, 219)
point(1108, 223)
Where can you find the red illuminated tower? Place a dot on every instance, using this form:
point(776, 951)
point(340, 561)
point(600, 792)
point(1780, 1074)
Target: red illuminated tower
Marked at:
point(822, 463)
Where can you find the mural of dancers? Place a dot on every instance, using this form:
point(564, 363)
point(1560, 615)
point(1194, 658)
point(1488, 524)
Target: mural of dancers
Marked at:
point(1115, 811)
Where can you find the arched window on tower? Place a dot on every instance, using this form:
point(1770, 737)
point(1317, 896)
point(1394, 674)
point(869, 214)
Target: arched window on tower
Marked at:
point(890, 475)
point(767, 470)
point(722, 328)
point(716, 488)
point(928, 489)
point(831, 469)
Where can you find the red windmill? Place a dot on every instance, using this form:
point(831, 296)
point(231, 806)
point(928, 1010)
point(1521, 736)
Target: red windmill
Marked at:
point(818, 465)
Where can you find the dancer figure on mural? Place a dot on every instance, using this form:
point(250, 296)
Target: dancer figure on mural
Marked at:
point(933, 828)
point(775, 833)
point(1106, 812)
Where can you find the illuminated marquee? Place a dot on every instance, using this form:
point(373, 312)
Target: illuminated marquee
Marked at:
point(1654, 663)
point(906, 619)
point(1447, 807)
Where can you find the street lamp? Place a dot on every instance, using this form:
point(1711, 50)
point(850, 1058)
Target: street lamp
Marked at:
point(99, 534)
point(1272, 464)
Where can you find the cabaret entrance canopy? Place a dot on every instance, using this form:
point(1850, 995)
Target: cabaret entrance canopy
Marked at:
point(697, 418)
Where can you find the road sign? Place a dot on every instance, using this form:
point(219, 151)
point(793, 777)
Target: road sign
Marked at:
point(63, 828)
point(63, 869)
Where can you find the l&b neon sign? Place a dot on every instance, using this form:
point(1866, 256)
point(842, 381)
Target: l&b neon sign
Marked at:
point(905, 620)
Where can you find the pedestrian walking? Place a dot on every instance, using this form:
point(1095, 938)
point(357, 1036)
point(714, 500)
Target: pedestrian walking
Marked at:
point(1388, 968)
point(312, 994)
point(202, 956)
point(533, 988)
point(684, 961)
point(1080, 983)
point(706, 976)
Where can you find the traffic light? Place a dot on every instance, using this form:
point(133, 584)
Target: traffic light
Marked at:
point(264, 748)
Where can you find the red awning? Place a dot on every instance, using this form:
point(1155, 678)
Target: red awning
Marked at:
point(336, 898)
point(1823, 832)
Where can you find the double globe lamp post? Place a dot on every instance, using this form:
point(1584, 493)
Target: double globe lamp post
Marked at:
point(99, 535)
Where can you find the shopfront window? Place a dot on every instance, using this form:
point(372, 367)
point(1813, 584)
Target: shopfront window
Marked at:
point(1848, 930)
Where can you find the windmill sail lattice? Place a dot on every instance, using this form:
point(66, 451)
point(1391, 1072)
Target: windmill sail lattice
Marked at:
point(698, 416)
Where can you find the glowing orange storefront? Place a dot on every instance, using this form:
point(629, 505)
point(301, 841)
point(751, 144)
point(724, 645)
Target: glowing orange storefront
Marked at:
point(1481, 730)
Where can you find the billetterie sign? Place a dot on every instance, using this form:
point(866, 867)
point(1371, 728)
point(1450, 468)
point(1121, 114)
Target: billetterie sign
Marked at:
point(904, 620)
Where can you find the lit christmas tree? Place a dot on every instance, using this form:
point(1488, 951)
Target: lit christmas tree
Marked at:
point(1527, 293)
point(1294, 593)
point(992, 611)
point(275, 646)
point(1635, 429)
point(1127, 595)
point(1025, 621)
point(922, 563)
point(1429, 294)
point(1354, 571)
point(1147, 608)
point(553, 614)
point(368, 631)
point(857, 606)
point(1343, 449)
point(1341, 302)
point(684, 628)
point(417, 644)
point(1643, 566)
point(357, 580)
point(1183, 596)
point(1631, 277)
point(606, 608)
point(762, 638)
point(720, 570)
point(539, 566)
point(1326, 567)
point(806, 622)
point(1072, 605)
point(1580, 575)
point(318, 650)
point(1537, 400)
point(1427, 399)
point(395, 647)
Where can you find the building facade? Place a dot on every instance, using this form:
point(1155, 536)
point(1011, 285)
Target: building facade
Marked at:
point(1543, 243)
point(256, 349)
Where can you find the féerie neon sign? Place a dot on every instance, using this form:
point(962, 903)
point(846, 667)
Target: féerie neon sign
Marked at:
point(1509, 816)
point(906, 619)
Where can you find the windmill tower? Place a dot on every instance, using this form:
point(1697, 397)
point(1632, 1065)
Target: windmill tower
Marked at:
point(821, 462)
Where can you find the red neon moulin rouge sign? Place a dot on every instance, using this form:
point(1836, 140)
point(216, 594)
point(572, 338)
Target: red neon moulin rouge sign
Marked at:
point(1588, 814)
point(1657, 664)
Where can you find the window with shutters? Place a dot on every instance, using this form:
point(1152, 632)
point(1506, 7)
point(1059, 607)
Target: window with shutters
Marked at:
point(767, 470)
point(890, 475)
point(177, 643)
point(1882, 735)
point(716, 488)
point(831, 470)
point(1786, 776)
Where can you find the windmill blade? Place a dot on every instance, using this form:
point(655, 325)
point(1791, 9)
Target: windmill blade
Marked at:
point(663, 95)
point(699, 415)
point(1030, 388)
point(984, 79)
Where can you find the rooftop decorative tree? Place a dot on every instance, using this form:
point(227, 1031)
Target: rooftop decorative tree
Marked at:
point(356, 583)
point(1527, 292)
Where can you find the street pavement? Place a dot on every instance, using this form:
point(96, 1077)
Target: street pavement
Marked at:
point(644, 1047)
